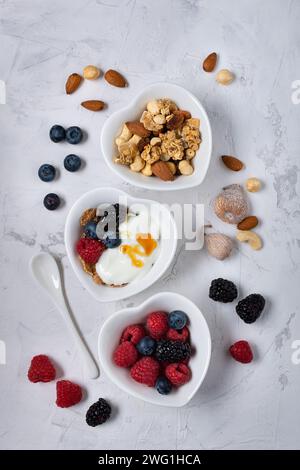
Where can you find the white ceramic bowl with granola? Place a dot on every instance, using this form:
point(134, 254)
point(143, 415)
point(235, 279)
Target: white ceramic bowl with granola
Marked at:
point(161, 141)
point(119, 245)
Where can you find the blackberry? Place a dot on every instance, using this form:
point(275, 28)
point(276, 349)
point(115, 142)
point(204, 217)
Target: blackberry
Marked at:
point(98, 413)
point(222, 290)
point(249, 309)
point(172, 351)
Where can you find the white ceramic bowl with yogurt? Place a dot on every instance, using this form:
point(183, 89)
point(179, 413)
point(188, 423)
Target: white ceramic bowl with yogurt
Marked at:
point(114, 267)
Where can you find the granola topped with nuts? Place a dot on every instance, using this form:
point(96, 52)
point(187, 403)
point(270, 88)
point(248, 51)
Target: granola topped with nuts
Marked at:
point(162, 143)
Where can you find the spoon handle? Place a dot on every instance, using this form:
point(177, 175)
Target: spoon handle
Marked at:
point(91, 368)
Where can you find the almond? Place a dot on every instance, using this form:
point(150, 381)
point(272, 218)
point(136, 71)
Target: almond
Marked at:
point(115, 78)
point(73, 83)
point(93, 105)
point(176, 120)
point(210, 62)
point(136, 127)
point(248, 223)
point(162, 171)
point(232, 163)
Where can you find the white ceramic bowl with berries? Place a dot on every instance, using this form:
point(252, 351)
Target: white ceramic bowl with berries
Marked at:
point(166, 244)
point(185, 101)
point(199, 338)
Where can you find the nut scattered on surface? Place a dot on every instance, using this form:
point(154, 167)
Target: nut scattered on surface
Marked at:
point(232, 163)
point(73, 83)
point(185, 167)
point(90, 72)
point(253, 185)
point(209, 62)
point(249, 237)
point(248, 223)
point(231, 204)
point(93, 105)
point(218, 245)
point(224, 77)
point(114, 78)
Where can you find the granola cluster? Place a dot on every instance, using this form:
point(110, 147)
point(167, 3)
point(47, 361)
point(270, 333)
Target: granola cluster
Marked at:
point(165, 134)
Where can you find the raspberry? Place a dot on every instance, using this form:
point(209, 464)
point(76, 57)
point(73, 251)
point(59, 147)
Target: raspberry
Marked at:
point(89, 250)
point(41, 369)
point(125, 355)
point(157, 324)
point(67, 393)
point(178, 374)
point(178, 335)
point(133, 333)
point(241, 352)
point(145, 371)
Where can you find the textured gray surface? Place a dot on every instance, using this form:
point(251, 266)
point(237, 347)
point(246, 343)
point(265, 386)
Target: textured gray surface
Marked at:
point(238, 406)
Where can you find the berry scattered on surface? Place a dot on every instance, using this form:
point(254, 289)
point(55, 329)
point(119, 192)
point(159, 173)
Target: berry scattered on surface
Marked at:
point(89, 250)
point(133, 333)
point(125, 355)
point(146, 346)
point(46, 172)
point(172, 351)
point(57, 133)
point(145, 371)
point(157, 324)
point(90, 229)
point(178, 335)
point(178, 374)
point(250, 308)
point(67, 393)
point(72, 162)
point(74, 135)
point(51, 201)
point(222, 290)
point(241, 352)
point(177, 319)
point(98, 413)
point(163, 385)
point(41, 369)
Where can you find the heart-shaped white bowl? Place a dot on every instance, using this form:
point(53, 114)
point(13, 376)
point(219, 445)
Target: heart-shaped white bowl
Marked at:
point(167, 249)
point(200, 338)
point(185, 100)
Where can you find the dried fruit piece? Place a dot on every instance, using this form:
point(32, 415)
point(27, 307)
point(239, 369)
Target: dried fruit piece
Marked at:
point(162, 171)
point(218, 245)
point(73, 83)
point(90, 72)
point(231, 205)
point(176, 120)
point(224, 77)
point(232, 163)
point(114, 78)
point(209, 62)
point(136, 127)
point(93, 105)
point(253, 185)
point(250, 237)
point(248, 223)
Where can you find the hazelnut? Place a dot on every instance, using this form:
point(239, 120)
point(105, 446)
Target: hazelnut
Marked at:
point(90, 72)
point(224, 77)
point(185, 167)
point(253, 185)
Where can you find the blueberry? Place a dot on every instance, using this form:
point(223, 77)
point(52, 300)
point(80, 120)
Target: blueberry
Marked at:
point(163, 386)
point(90, 229)
point(146, 346)
point(51, 201)
point(74, 135)
point(72, 162)
point(177, 319)
point(112, 242)
point(57, 133)
point(46, 172)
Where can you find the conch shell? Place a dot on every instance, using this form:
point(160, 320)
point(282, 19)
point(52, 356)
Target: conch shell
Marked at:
point(218, 245)
point(231, 204)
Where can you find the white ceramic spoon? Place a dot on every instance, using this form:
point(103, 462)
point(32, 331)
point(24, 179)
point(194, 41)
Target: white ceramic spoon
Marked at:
point(45, 271)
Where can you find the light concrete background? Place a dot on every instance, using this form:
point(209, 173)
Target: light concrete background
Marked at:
point(238, 406)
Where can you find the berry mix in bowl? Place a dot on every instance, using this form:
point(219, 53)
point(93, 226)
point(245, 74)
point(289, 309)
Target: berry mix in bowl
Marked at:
point(116, 240)
point(158, 351)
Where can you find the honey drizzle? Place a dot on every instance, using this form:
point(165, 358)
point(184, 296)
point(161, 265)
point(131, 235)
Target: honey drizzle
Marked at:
point(146, 242)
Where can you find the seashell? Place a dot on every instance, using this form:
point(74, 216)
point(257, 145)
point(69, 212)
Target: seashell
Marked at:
point(218, 245)
point(231, 204)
